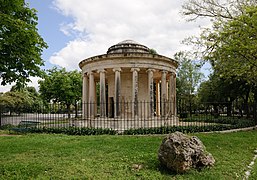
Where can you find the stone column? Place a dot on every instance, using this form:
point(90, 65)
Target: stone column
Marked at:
point(135, 91)
point(102, 93)
point(151, 92)
point(85, 96)
point(163, 93)
point(92, 94)
point(174, 98)
point(117, 90)
point(172, 94)
point(158, 98)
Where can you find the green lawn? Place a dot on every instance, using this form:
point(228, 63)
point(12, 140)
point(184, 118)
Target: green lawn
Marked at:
point(44, 156)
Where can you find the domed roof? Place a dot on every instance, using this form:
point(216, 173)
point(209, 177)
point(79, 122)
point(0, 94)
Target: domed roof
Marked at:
point(128, 46)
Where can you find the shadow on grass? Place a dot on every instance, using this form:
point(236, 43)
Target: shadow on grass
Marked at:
point(154, 165)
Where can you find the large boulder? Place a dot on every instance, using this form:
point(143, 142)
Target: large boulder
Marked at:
point(179, 152)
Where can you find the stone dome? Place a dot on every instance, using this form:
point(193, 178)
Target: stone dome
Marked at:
point(128, 46)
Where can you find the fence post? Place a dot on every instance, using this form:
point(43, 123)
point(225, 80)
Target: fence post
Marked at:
point(254, 112)
point(0, 116)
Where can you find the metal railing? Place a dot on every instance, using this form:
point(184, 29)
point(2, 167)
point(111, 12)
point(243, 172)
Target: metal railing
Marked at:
point(131, 116)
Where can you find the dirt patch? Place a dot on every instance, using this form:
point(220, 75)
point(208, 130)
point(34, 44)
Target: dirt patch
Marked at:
point(9, 135)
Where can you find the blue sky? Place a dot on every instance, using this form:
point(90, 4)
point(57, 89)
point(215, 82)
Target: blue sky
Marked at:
point(49, 20)
point(78, 29)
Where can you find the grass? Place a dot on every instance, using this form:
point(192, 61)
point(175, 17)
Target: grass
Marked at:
point(49, 156)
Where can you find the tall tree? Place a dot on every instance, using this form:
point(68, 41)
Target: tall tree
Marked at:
point(189, 73)
point(223, 91)
point(215, 9)
point(15, 101)
point(235, 47)
point(20, 44)
point(61, 86)
point(189, 78)
point(231, 43)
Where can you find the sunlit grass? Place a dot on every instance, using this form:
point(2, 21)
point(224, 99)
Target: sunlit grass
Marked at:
point(44, 156)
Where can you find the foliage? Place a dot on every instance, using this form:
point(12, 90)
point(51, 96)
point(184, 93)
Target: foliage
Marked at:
point(6, 127)
point(61, 86)
point(215, 9)
point(235, 47)
point(218, 89)
point(152, 51)
point(189, 75)
point(235, 121)
point(190, 128)
point(19, 100)
point(230, 46)
point(14, 101)
point(72, 131)
point(20, 44)
point(188, 79)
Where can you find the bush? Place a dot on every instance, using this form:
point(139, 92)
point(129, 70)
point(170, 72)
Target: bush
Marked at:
point(6, 127)
point(74, 131)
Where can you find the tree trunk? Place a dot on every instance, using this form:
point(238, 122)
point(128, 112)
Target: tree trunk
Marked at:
point(76, 109)
point(255, 106)
point(216, 112)
point(246, 105)
point(68, 110)
point(229, 109)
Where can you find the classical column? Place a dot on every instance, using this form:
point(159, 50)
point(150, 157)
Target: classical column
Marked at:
point(135, 91)
point(117, 92)
point(151, 92)
point(163, 93)
point(158, 98)
point(85, 96)
point(91, 94)
point(172, 93)
point(102, 93)
point(174, 98)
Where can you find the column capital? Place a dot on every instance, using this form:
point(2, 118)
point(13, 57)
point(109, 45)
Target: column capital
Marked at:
point(84, 75)
point(101, 70)
point(90, 73)
point(164, 71)
point(116, 69)
point(134, 69)
point(173, 74)
point(150, 70)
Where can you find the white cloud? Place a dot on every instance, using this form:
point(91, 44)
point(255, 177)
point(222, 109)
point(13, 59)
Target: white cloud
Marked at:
point(33, 83)
point(100, 24)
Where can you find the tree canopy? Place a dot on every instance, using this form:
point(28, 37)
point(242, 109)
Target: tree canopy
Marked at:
point(188, 79)
point(215, 9)
point(231, 43)
point(20, 44)
point(189, 75)
point(17, 100)
point(61, 86)
point(235, 47)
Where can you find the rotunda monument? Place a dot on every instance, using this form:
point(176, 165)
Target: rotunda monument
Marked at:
point(129, 81)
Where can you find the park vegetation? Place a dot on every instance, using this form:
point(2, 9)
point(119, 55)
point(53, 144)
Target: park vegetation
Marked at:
point(20, 44)
point(230, 46)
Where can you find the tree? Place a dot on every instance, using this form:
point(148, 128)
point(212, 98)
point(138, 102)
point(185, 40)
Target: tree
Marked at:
point(235, 49)
point(60, 86)
point(19, 100)
point(215, 9)
point(231, 44)
point(15, 101)
point(188, 79)
point(224, 91)
point(20, 44)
